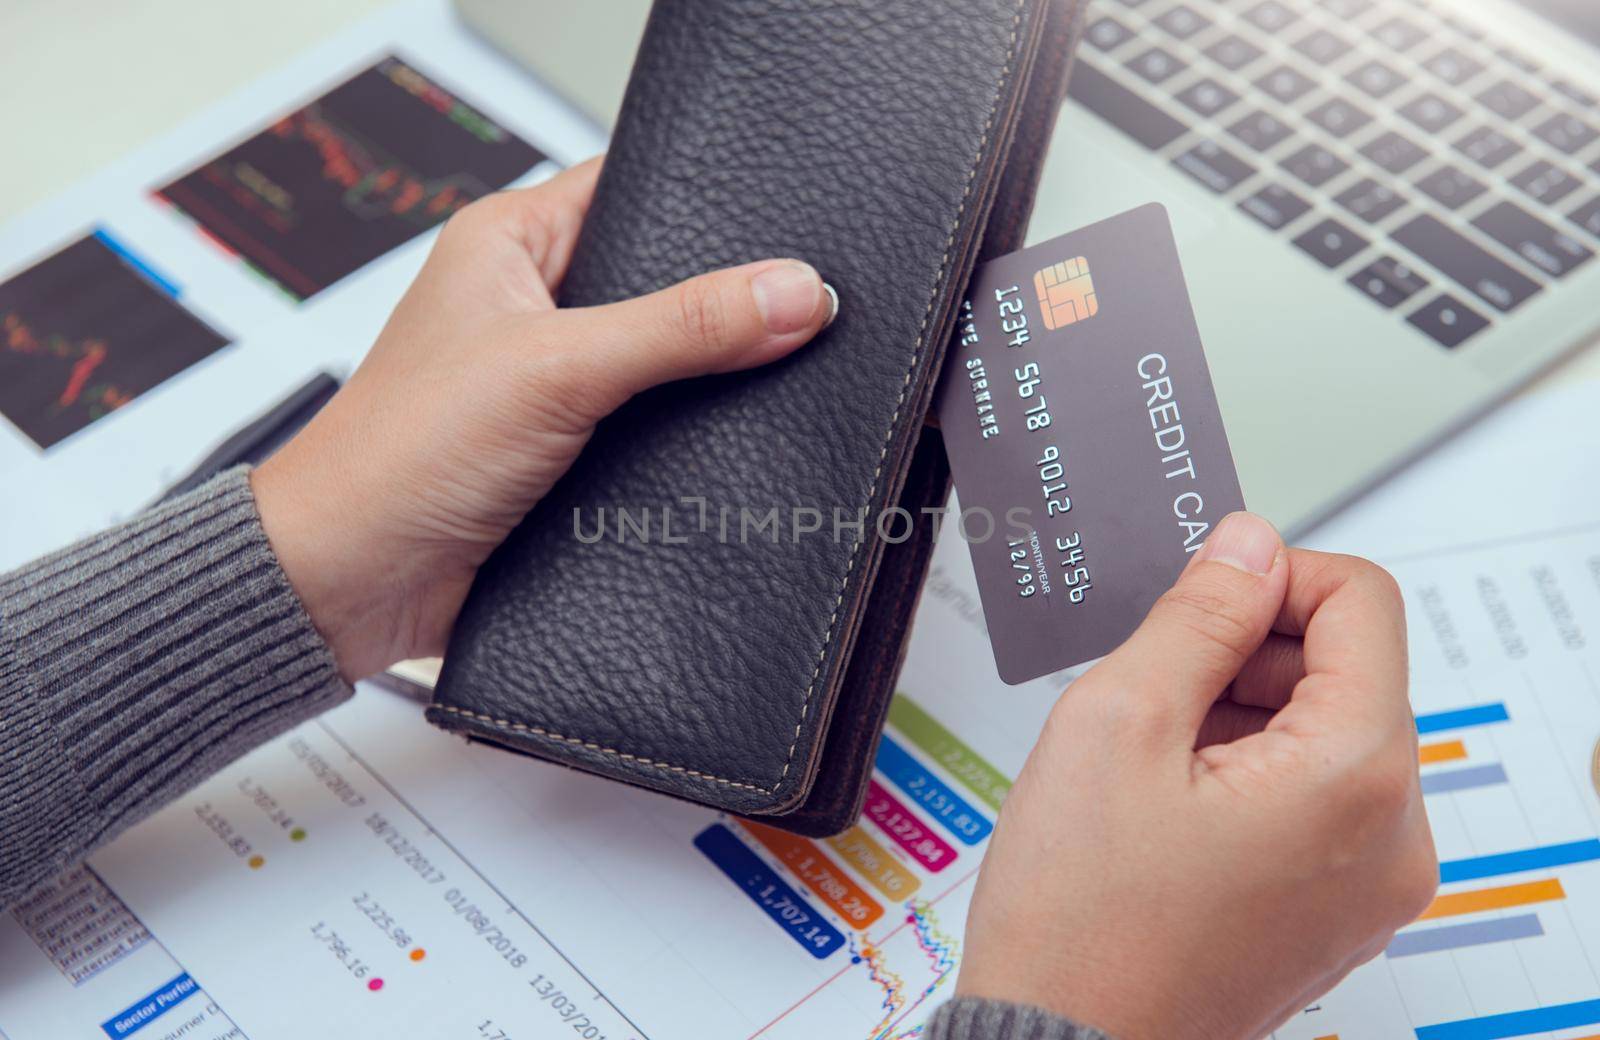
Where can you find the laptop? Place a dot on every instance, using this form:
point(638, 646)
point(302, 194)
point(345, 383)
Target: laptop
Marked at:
point(1388, 210)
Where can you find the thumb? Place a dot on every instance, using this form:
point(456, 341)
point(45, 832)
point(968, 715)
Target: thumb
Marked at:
point(735, 318)
point(1202, 630)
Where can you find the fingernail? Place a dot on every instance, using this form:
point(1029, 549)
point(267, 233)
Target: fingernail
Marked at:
point(786, 295)
point(1243, 541)
point(833, 303)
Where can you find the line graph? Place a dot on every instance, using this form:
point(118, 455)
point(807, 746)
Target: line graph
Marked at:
point(335, 184)
point(84, 332)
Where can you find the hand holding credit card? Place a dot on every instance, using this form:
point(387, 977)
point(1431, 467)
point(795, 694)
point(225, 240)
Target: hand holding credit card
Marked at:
point(1085, 439)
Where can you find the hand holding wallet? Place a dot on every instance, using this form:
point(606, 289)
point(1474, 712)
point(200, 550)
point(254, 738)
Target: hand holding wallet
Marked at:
point(892, 145)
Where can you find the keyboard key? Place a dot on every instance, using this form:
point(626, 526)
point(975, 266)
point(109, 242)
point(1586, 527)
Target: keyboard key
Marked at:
point(1156, 65)
point(1459, 258)
point(1215, 167)
point(1394, 153)
point(1315, 165)
point(1388, 281)
point(1323, 46)
point(1182, 21)
point(1207, 97)
point(1587, 216)
point(1277, 206)
point(1270, 16)
point(1451, 187)
point(1122, 108)
point(1345, 10)
point(1331, 243)
point(1233, 52)
point(1430, 112)
point(1449, 321)
point(1108, 34)
point(1369, 200)
point(1544, 182)
point(1577, 95)
point(1567, 133)
point(1453, 67)
point(1399, 34)
point(1339, 117)
point(1487, 147)
point(1376, 79)
point(1507, 100)
point(1260, 130)
point(1285, 84)
point(1518, 60)
point(1556, 253)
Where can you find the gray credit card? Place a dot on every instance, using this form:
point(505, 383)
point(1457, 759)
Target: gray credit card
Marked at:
point(1084, 437)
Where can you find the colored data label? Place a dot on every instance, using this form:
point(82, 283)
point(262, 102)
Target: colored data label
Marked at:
point(820, 874)
point(875, 863)
point(950, 751)
point(150, 1007)
point(934, 795)
point(1461, 718)
point(898, 822)
point(1541, 857)
point(1501, 898)
point(775, 898)
point(1444, 751)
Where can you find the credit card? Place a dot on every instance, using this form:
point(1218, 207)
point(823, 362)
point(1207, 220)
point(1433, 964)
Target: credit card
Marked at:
point(1084, 437)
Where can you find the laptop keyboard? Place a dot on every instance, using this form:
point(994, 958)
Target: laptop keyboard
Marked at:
point(1445, 177)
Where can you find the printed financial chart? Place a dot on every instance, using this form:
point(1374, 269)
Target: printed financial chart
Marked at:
point(337, 183)
point(85, 331)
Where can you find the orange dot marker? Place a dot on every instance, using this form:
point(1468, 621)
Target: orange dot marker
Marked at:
point(257, 862)
point(418, 953)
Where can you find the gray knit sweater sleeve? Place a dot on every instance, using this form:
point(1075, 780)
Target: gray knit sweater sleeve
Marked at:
point(970, 1018)
point(136, 663)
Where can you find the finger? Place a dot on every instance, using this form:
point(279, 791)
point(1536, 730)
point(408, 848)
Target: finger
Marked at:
point(1268, 678)
point(1228, 721)
point(1354, 647)
point(545, 219)
point(731, 319)
point(1201, 632)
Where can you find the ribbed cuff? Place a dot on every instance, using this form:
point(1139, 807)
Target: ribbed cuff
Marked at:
point(970, 1018)
point(138, 662)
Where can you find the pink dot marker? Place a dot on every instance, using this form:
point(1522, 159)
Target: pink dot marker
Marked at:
point(375, 985)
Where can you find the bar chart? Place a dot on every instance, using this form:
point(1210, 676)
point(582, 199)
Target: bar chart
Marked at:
point(1507, 713)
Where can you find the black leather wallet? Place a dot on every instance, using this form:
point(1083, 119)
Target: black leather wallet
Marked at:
point(893, 144)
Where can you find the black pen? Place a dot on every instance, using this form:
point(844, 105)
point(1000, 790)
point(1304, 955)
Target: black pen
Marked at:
point(262, 436)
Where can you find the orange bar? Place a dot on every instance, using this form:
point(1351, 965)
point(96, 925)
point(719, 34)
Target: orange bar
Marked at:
point(1330, 1036)
point(1444, 751)
point(874, 863)
point(808, 863)
point(1494, 898)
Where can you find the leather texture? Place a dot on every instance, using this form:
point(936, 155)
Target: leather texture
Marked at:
point(890, 143)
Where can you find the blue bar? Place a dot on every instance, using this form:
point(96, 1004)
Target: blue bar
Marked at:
point(128, 257)
point(142, 1012)
point(1457, 936)
point(1464, 779)
point(1481, 715)
point(959, 818)
point(1516, 1023)
point(780, 902)
point(1516, 862)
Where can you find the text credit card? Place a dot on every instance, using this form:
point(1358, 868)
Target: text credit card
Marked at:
point(1084, 437)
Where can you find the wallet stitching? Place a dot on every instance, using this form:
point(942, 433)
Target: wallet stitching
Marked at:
point(911, 367)
point(539, 731)
point(855, 552)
